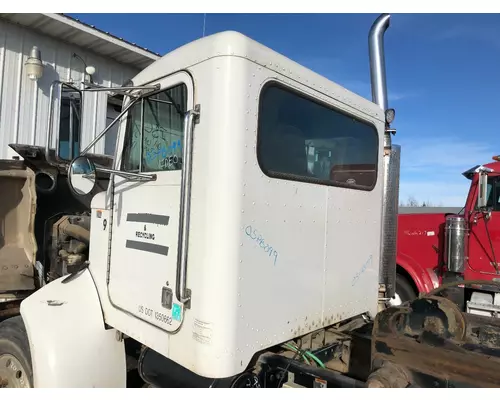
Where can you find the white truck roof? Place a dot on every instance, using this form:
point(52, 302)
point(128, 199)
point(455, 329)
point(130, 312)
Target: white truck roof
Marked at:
point(235, 44)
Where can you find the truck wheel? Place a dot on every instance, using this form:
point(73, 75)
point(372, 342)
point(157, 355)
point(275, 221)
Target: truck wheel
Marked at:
point(404, 291)
point(15, 355)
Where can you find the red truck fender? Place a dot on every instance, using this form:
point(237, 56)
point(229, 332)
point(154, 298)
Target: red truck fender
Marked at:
point(424, 279)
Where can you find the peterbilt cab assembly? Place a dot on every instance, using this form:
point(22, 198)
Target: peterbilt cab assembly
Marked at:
point(222, 255)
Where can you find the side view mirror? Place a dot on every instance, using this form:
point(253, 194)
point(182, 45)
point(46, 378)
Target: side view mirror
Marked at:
point(64, 122)
point(70, 110)
point(482, 196)
point(82, 175)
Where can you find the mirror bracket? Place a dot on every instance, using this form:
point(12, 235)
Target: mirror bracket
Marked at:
point(82, 177)
point(55, 158)
point(133, 91)
point(131, 175)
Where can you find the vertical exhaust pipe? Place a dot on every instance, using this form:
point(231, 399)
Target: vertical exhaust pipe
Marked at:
point(377, 60)
point(391, 161)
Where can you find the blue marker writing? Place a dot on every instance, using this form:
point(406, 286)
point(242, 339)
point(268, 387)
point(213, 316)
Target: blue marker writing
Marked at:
point(254, 235)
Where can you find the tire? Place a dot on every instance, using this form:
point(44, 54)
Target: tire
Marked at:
point(404, 291)
point(15, 357)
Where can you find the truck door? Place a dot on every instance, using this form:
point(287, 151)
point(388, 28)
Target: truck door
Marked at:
point(145, 227)
point(484, 238)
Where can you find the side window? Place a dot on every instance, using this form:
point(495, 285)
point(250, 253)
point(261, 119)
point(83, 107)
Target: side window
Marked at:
point(156, 143)
point(493, 193)
point(301, 139)
point(496, 206)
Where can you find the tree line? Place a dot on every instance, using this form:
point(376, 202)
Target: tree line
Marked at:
point(413, 202)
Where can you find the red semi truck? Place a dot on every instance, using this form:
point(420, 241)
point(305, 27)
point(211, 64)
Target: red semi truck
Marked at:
point(437, 245)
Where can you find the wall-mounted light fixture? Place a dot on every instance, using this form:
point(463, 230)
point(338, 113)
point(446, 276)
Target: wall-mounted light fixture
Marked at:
point(34, 65)
point(89, 69)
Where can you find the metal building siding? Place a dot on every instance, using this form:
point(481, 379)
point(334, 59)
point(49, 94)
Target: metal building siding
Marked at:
point(24, 104)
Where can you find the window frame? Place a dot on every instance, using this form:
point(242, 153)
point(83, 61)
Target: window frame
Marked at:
point(493, 181)
point(495, 192)
point(324, 104)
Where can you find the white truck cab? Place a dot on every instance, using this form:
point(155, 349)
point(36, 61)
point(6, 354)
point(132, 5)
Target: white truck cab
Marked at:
point(243, 210)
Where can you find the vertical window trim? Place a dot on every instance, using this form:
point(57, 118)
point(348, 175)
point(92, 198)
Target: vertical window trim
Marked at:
point(304, 179)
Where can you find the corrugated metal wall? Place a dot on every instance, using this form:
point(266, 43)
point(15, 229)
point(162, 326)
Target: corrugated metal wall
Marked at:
point(24, 104)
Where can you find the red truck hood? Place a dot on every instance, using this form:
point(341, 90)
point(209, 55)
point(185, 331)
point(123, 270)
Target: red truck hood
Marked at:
point(420, 236)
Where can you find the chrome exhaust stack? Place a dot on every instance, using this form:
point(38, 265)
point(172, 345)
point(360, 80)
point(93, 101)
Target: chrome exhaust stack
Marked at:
point(377, 60)
point(391, 162)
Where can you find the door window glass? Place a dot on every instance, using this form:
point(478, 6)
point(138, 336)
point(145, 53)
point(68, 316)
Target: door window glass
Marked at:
point(154, 134)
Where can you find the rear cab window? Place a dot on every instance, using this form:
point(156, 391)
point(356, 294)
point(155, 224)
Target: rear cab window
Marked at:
point(304, 140)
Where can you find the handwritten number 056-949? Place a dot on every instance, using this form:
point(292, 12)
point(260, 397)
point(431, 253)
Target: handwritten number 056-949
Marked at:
point(254, 235)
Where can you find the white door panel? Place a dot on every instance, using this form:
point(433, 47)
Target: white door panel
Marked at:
point(145, 233)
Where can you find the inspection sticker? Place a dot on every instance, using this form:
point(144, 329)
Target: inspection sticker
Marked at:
point(176, 312)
